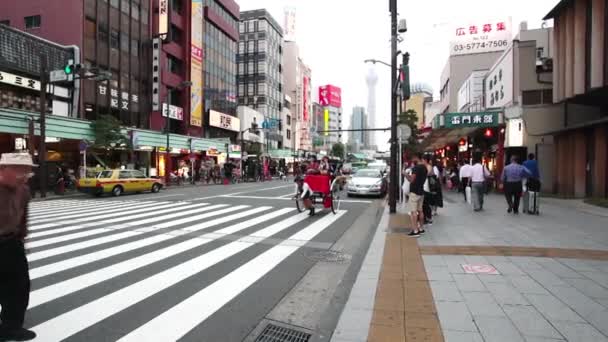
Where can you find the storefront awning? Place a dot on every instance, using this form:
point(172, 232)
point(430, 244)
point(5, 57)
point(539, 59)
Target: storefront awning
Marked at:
point(17, 122)
point(450, 127)
point(280, 154)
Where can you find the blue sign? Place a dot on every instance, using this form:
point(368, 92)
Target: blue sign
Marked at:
point(270, 123)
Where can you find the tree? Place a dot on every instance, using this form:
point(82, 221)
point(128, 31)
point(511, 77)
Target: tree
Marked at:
point(108, 133)
point(410, 118)
point(337, 150)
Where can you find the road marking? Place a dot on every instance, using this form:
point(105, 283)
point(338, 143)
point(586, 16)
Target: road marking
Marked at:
point(73, 321)
point(70, 228)
point(241, 192)
point(67, 209)
point(63, 238)
point(173, 324)
point(106, 253)
point(113, 208)
point(287, 199)
point(163, 196)
point(62, 207)
point(89, 243)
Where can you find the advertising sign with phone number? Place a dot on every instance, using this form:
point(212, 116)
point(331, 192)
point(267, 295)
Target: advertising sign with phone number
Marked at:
point(480, 37)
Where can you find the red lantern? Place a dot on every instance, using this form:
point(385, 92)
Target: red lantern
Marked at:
point(462, 142)
point(488, 133)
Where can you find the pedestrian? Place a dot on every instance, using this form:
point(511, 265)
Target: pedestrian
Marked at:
point(479, 174)
point(435, 187)
point(533, 183)
point(428, 200)
point(465, 177)
point(416, 179)
point(60, 181)
point(15, 170)
point(512, 176)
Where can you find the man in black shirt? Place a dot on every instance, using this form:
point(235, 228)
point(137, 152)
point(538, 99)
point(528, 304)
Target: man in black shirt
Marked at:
point(416, 197)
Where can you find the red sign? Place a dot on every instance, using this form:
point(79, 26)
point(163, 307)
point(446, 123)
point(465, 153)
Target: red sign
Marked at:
point(484, 29)
point(331, 96)
point(305, 86)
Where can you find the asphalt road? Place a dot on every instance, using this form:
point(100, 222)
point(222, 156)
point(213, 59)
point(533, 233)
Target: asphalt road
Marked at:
point(204, 263)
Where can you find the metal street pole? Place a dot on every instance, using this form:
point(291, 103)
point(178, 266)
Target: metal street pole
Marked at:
point(394, 174)
point(42, 149)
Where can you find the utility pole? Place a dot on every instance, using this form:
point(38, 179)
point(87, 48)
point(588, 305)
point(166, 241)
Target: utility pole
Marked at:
point(393, 164)
point(42, 149)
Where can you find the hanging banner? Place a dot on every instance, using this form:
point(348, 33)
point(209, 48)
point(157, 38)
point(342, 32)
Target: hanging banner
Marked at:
point(196, 64)
point(326, 122)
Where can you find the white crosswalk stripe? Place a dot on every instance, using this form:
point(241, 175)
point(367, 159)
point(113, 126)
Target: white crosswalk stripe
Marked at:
point(78, 247)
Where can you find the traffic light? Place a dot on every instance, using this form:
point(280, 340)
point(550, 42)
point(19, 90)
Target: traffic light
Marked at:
point(71, 68)
point(254, 128)
point(404, 77)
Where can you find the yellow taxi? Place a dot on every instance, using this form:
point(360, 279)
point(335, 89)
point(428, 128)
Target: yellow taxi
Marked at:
point(117, 182)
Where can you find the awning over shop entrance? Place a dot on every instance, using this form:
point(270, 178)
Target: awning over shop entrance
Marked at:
point(450, 127)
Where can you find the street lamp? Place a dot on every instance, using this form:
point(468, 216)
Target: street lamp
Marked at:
point(165, 113)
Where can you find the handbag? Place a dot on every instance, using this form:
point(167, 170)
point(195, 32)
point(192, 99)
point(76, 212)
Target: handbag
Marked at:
point(468, 194)
point(406, 187)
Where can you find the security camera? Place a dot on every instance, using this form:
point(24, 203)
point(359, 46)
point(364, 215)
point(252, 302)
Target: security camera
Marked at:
point(402, 28)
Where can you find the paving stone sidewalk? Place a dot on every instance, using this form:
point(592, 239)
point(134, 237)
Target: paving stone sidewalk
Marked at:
point(542, 278)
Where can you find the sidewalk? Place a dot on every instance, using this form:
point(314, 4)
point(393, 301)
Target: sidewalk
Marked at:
point(488, 276)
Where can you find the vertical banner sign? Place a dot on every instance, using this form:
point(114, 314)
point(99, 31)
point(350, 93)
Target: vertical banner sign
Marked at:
point(163, 17)
point(326, 121)
point(196, 65)
point(305, 98)
point(155, 74)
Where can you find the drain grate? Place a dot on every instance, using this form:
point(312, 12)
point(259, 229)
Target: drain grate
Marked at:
point(275, 333)
point(330, 256)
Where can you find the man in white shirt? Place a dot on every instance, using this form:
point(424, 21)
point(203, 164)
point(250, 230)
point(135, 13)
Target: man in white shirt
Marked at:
point(479, 174)
point(465, 176)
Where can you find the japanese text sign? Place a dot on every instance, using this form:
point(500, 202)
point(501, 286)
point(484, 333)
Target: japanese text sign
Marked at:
point(480, 36)
point(224, 121)
point(480, 119)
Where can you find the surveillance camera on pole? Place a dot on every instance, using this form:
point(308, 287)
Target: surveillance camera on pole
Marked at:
point(402, 28)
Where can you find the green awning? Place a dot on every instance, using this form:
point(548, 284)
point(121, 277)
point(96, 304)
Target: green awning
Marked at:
point(17, 122)
point(361, 156)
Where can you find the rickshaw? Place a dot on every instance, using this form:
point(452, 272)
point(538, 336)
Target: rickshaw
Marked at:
point(324, 190)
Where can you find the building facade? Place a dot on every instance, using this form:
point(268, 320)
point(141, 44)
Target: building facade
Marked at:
point(297, 84)
point(420, 95)
point(330, 99)
point(260, 67)
point(221, 36)
point(580, 88)
point(371, 80)
point(358, 120)
point(470, 94)
point(112, 36)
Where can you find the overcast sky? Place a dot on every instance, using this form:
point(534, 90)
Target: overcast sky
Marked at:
point(336, 36)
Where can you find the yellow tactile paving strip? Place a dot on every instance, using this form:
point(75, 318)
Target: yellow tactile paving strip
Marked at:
point(516, 251)
point(404, 309)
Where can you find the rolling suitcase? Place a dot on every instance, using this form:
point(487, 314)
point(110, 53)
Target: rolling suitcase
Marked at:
point(531, 202)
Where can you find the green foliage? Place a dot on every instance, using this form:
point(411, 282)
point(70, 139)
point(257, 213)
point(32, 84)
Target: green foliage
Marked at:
point(337, 150)
point(108, 133)
point(410, 118)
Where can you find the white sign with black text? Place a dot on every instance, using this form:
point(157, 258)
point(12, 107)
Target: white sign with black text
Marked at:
point(224, 121)
point(163, 17)
point(28, 83)
point(175, 112)
point(117, 100)
point(481, 36)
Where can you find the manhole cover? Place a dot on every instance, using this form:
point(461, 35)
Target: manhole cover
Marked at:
point(275, 333)
point(329, 256)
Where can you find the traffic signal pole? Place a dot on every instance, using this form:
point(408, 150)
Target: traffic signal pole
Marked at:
point(393, 191)
point(42, 147)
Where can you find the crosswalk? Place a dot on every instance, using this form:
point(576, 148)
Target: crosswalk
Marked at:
point(94, 263)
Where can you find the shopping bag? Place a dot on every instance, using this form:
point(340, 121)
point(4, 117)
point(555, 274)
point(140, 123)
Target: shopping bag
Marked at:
point(405, 187)
point(468, 194)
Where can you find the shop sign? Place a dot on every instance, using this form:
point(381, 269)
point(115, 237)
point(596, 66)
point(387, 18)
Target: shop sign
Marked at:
point(481, 119)
point(117, 99)
point(19, 81)
point(212, 151)
point(196, 63)
point(235, 148)
point(175, 112)
point(163, 17)
point(224, 121)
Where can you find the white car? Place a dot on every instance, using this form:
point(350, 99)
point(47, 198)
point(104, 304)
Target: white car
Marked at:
point(367, 182)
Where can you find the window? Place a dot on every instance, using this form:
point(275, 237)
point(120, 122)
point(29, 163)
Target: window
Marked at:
point(251, 26)
point(261, 88)
point(262, 25)
point(135, 47)
point(5, 22)
point(288, 134)
point(288, 119)
point(241, 27)
point(175, 34)
point(114, 3)
point(261, 45)
point(114, 39)
point(138, 174)
point(241, 47)
point(124, 44)
point(531, 97)
point(124, 174)
point(89, 29)
point(250, 46)
point(250, 89)
point(32, 22)
point(540, 52)
point(176, 5)
point(174, 65)
point(261, 67)
point(103, 33)
point(241, 90)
